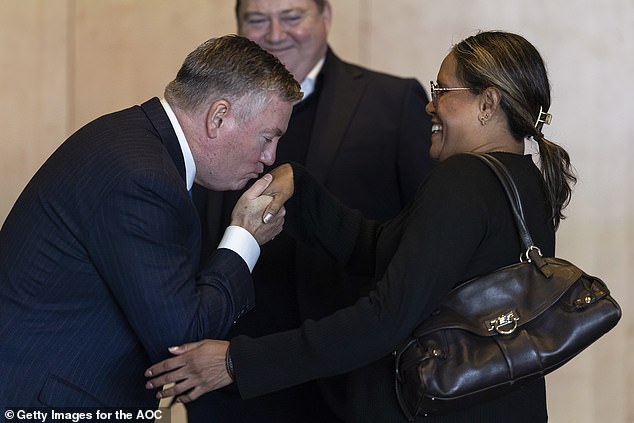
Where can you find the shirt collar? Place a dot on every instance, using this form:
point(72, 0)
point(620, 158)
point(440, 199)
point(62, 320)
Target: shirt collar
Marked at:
point(308, 84)
point(190, 166)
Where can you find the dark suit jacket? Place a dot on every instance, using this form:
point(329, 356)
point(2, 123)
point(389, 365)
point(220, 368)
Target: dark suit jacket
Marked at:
point(98, 259)
point(369, 146)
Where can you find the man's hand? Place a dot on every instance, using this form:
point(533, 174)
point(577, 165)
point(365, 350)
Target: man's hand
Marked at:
point(249, 212)
point(199, 367)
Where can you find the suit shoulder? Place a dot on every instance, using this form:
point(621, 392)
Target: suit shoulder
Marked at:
point(121, 142)
point(379, 76)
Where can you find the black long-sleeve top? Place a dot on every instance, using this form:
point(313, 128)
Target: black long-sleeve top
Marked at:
point(459, 226)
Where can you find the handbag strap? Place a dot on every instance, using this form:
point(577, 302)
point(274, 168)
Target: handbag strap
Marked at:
point(513, 196)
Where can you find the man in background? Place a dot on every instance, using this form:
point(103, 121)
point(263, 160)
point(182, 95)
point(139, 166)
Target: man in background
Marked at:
point(366, 137)
point(100, 255)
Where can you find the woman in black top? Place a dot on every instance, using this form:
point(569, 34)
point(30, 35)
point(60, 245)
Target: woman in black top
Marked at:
point(492, 93)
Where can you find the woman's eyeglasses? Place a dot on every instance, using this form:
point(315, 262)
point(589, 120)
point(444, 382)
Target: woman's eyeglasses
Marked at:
point(437, 91)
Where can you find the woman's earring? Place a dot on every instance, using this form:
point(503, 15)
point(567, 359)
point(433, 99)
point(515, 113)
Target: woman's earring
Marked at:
point(484, 118)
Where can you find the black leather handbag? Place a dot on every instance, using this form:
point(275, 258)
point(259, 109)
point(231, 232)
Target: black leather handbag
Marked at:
point(502, 329)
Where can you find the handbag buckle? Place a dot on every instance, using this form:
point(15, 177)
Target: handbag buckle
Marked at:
point(525, 256)
point(507, 320)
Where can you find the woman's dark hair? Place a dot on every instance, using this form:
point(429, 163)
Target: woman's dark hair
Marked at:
point(511, 64)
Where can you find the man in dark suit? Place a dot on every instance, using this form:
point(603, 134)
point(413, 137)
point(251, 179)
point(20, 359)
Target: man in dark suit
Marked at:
point(364, 135)
point(100, 253)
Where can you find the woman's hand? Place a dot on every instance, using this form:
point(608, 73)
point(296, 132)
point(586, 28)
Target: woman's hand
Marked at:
point(199, 367)
point(281, 189)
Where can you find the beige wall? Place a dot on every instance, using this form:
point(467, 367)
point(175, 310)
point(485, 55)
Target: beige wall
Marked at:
point(65, 62)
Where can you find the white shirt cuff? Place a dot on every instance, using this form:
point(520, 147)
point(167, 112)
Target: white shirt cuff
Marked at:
point(240, 241)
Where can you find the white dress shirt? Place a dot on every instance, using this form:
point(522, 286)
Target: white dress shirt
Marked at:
point(308, 84)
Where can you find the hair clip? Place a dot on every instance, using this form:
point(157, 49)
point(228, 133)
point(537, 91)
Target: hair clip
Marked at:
point(543, 117)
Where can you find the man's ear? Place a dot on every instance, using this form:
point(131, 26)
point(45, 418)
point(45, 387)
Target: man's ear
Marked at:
point(216, 114)
point(327, 15)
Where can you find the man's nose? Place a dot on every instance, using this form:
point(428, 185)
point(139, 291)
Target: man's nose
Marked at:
point(268, 155)
point(276, 31)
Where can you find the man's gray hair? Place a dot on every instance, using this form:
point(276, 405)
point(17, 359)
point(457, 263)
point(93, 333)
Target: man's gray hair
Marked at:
point(233, 68)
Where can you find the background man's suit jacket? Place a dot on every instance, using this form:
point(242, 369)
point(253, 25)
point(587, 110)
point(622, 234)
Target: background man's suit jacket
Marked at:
point(97, 268)
point(369, 146)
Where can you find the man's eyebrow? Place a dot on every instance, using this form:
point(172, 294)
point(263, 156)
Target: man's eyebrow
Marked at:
point(247, 15)
point(293, 10)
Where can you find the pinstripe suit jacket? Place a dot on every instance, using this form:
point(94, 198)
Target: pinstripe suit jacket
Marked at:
point(98, 262)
